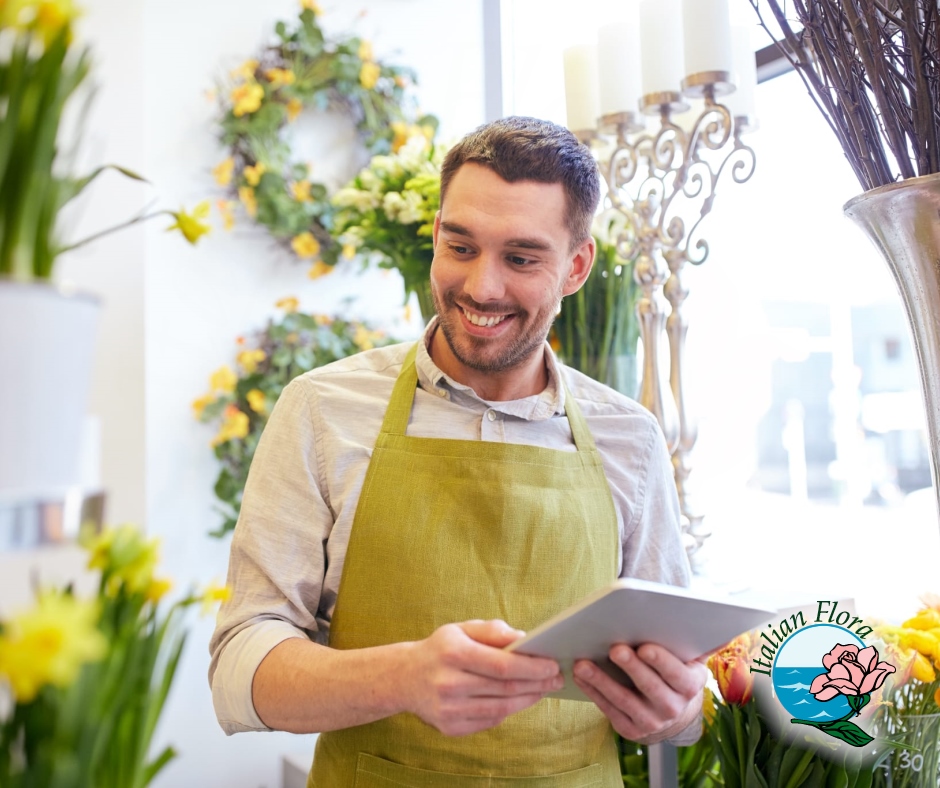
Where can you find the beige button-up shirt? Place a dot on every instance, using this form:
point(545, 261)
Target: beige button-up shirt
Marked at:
point(302, 492)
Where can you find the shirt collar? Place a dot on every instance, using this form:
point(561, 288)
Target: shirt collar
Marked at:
point(550, 402)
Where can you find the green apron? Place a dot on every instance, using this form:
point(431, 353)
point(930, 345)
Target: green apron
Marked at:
point(451, 530)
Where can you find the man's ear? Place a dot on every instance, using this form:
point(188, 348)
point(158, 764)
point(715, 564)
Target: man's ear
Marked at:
point(581, 265)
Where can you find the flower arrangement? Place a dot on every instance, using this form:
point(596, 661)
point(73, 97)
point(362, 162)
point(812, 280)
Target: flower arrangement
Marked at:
point(388, 210)
point(40, 71)
point(597, 330)
point(909, 714)
point(305, 69)
point(873, 70)
point(240, 402)
point(83, 681)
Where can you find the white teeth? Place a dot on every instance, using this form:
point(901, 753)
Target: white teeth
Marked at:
point(477, 320)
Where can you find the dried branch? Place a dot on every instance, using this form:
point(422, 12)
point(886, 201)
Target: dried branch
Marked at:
point(872, 67)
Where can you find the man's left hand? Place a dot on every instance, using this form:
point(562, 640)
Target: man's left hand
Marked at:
point(665, 699)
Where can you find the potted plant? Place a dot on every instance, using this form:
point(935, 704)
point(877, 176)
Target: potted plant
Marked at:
point(43, 329)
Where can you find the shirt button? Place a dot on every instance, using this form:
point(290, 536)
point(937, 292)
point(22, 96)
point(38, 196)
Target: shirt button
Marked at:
point(491, 415)
point(442, 392)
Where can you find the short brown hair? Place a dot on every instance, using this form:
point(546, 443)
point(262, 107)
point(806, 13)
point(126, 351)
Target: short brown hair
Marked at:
point(529, 149)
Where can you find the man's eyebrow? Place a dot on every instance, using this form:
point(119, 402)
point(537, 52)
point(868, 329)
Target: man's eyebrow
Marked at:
point(517, 243)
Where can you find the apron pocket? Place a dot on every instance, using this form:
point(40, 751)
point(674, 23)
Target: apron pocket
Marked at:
point(373, 772)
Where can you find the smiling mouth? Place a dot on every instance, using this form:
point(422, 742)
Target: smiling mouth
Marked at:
point(483, 320)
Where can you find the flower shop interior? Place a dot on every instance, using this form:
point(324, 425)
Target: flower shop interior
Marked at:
point(801, 415)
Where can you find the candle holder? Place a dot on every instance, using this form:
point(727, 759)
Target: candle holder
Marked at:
point(663, 182)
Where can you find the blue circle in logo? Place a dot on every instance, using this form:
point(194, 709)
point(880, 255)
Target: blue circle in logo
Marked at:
point(797, 664)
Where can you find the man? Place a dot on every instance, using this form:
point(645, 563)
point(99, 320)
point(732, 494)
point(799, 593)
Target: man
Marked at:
point(469, 478)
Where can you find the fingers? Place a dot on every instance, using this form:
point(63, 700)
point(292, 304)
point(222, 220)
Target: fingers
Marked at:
point(485, 657)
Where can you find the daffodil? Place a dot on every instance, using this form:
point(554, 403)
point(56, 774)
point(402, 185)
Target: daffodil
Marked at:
point(369, 74)
point(254, 172)
point(190, 224)
point(294, 107)
point(288, 304)
point(226, 211)
point(125, 557)
point(249, 360)
point(305, 246)
point(49, 644)
point(158, 588)
point(234, 427)
point(246, 98)
point(247, 195)
point(246, 71)
point(214, 594)
point(301, 191)
point(223, 379)
point(280, 76)
point(257, 401)
point(318, 269)
point(200, 404)
point(223, 172)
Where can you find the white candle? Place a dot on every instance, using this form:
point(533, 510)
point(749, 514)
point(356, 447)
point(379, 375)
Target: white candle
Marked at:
point(742, 103)
point(581, 87)
point(661, 45)
point(618, 56)
point(707, 31)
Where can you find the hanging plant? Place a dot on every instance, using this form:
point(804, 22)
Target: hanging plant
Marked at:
point(302, 70)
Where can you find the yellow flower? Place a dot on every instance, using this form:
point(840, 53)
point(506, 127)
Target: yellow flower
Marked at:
point(124, 556)
point(215, 593)
point(369, 74)
point(247, 195)
point(294, 108)
point(190, 224)
point(235, 426)
point(305, 245)
point(223, 172)
point(157, 589)
point(922, 670)
point(257, 401)
point(249, 360)
point(708, 706)
point(924, 642)
point(925, 619)
point(199, 405)
point(323, 320)
point(253, 173)
point(52, 16)
point(349, 251)
point(362, 338)
point(318, 269)
point(407, 313)
point(226, 210)
point(280, 76)
point(936, 696)
point(246, 98)
point(288, 304)
point(365, 50)
point(246, 71)
point(301, 191)
point(312, 5)
point(49, 644)
point(223, 379)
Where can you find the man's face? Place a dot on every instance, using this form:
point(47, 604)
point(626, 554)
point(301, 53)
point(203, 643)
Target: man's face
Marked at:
point(502, 262)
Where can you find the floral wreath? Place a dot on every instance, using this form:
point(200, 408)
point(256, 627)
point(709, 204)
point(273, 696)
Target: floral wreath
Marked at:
point(305, 69)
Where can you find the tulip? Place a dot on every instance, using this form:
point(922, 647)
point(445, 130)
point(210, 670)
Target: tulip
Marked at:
point(729, 666)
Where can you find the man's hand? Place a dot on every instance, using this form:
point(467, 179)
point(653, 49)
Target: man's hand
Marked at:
point(666, 698)
point(461, 681)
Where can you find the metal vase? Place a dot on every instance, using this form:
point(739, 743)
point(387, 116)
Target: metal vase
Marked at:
point(903, 220)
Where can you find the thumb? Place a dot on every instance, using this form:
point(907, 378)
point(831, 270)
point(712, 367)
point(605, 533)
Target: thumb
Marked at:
point(494, 632)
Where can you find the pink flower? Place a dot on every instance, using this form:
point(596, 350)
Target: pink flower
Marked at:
point(851, 672)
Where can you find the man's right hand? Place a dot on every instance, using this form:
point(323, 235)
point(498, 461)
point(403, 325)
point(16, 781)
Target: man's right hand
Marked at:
point(460, 680)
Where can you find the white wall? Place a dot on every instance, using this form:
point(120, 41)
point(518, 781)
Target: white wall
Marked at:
point(172, 312)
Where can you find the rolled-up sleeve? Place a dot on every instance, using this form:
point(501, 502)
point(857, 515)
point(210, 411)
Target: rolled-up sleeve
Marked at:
point(276, 567)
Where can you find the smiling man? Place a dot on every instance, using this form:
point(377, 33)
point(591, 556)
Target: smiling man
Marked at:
point(412, 509)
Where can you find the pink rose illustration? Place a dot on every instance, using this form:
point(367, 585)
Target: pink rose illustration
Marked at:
point(851, 672)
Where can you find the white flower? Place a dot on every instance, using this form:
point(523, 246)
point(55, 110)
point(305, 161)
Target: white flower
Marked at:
point(392, 204)
point(412, 154)
point(355, 198)
point(386, 166)
point(410, 210)
point(370, 180)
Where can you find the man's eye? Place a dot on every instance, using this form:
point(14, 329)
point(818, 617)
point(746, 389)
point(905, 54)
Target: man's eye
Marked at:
point(459, 249)
point(516, 260)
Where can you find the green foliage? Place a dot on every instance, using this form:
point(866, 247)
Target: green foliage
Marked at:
point(242, 403)
point(305, 69)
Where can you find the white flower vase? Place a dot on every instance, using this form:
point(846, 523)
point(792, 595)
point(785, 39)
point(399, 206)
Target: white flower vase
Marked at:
point(47, 343)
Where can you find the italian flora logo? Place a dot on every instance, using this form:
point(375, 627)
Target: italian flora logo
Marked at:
point(824, 675)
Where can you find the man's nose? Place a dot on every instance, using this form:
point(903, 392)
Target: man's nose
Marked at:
point(485, 280)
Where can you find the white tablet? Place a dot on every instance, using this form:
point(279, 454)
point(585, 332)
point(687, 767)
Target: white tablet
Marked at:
point(634, 612)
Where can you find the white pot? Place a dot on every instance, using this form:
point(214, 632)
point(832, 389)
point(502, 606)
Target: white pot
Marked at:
point(47, 340)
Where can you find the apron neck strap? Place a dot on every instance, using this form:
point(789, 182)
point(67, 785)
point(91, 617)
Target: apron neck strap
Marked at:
point(399, 407)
